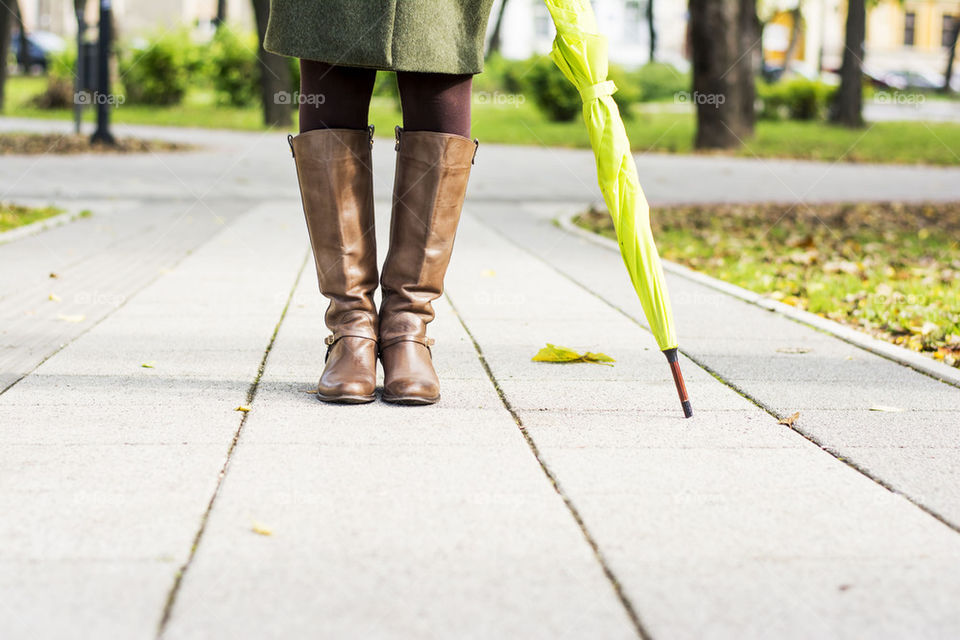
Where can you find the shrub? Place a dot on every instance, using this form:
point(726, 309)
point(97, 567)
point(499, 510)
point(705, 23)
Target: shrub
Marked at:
point(660, 81)
point(795, 99)
point(232, 64)
point(501, 74)
point(628, 90)
point(550, 90)
point(158, 71)
point(60, 72)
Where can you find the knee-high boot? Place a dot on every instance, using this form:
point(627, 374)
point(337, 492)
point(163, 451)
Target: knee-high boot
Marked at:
point(429, 187)
point(336, 186)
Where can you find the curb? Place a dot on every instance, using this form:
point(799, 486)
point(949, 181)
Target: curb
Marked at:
point(940, 371)
point(39, 225)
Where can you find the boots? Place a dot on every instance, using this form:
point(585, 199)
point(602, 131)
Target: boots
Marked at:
point(428, 192)
point(336, 186)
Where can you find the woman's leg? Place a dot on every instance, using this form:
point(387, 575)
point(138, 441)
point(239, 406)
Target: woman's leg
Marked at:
point(434, 158)
point(334, 97)
point(435, 102)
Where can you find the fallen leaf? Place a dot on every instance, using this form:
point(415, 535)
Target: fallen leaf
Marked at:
point(555, 353)
point(885, 408)
point(73, 318)
point(793, 350)
point(597, 357)
point(261, 530)
point(148, 365)
point(244, 408)
point(53, 297)
point(789, 420)
point(54, 275)
point(488, 273)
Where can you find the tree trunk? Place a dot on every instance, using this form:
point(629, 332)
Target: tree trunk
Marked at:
point(723, 35)
point(795, 30)
point(221, 16)
point(951, 54)
point(848, 105)
point(6, 24)
point(495, 43)
point(652, 29)
point(274, 74)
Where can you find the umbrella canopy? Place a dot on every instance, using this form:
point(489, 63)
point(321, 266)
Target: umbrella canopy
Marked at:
point(580, 51)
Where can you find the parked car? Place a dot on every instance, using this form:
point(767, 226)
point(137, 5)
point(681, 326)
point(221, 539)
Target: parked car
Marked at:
point(40, 46)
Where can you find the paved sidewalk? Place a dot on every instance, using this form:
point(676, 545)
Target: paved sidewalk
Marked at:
point(534, 500)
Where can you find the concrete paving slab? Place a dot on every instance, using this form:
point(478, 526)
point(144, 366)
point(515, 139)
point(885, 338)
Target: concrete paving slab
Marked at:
point(719, 502)
point(389, 521)
point(109, 473)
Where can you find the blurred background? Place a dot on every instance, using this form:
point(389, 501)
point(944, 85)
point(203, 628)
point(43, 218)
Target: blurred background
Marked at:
point(691, 74)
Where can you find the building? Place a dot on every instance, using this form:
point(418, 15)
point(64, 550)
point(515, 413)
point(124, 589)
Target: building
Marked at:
point(132, 17)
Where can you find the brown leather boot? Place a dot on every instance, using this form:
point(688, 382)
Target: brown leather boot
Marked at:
point(428, 192)
point(336, 186)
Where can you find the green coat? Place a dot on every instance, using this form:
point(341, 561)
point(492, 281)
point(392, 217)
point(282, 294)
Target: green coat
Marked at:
point(438, 36)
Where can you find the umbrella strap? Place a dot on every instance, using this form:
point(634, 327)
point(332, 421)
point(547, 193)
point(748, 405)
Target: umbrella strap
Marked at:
point(594, 91)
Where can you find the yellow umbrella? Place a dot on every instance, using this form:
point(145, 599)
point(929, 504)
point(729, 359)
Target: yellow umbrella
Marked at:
point(580, 51)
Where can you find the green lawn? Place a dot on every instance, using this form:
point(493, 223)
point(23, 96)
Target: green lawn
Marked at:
point(902, 142)
point(13, 215)
point(891, 270)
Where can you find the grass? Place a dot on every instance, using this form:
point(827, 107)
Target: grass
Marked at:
point(13, 215)
point(889, 269)
point(887, 142)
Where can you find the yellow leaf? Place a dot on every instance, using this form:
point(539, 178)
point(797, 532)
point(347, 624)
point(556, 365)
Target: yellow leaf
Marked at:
point(789, 420)
point(53, 297)
point(886, 409)
point(261, 529)
point(599, 358)
point(54, 275)
point(244, 408)
point(74, 318)
point(148, 365)
point(553, 353)
point(488, 273)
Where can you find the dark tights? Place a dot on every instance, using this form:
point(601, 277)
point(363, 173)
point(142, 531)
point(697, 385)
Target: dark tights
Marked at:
point(334, 97)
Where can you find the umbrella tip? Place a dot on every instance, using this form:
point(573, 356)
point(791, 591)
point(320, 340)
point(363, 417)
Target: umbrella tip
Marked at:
point(687, 409)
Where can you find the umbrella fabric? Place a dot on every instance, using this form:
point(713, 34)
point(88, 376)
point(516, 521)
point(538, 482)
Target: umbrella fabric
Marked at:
point(580, 51)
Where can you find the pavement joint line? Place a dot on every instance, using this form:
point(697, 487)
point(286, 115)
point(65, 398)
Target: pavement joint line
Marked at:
point(618, 589)
point(919, 363)
point(221, 476)
point(773, 413)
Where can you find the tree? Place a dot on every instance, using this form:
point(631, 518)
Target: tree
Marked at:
point(495, 42)
point(652, 30)
point(951, 54)
point(7, 15)
point(796, 28)
point(274, 74)
point(724, 39)
point(847, 108)
point(221, 16)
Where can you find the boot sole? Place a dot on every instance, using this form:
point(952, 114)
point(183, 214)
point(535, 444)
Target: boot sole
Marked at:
point(410, 401)
point(346, 399)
